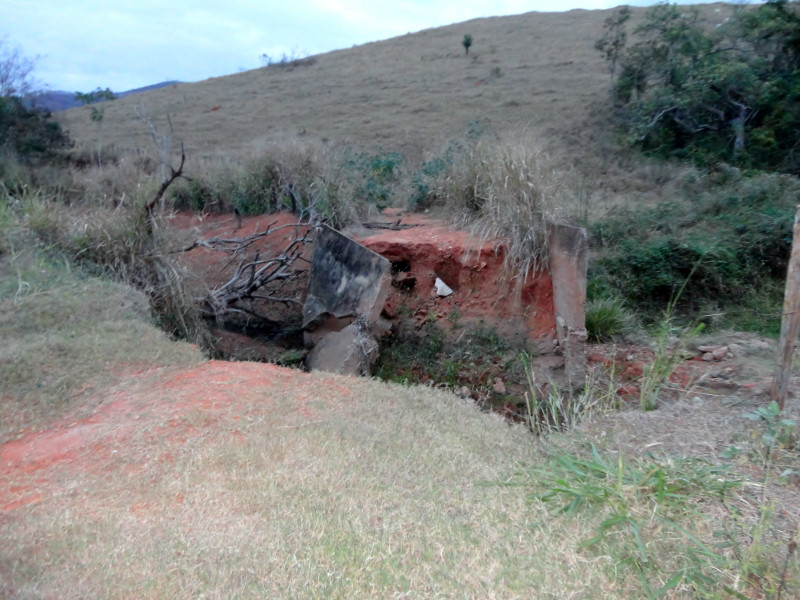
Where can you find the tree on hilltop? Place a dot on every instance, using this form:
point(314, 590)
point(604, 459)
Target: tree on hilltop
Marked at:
point(97, 113)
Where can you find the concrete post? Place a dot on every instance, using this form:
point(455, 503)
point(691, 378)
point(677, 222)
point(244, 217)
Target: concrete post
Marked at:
point(569, 247)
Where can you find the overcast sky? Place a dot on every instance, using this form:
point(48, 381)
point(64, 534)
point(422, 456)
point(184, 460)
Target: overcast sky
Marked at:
point(123, 44)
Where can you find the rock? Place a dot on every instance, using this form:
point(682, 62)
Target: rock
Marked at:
point(706, 349)
point(736, 349)
point(708, 357)
point(757, 388)
point(442, 289)
point(499, 386)
point(720, 353)
point(351, 351)
point(382, 328)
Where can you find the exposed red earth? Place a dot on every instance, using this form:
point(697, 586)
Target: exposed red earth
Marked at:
point(159, 408)
point(472, 268)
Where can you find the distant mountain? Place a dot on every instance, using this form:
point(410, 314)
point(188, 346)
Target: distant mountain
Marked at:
point(59, 100)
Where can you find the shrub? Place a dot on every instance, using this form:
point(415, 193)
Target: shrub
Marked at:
point(606, 319)
point(375, 177)
point(731, 231)
point(28, 132)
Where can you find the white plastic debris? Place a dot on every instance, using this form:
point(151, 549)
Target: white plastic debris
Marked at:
point(442, 289)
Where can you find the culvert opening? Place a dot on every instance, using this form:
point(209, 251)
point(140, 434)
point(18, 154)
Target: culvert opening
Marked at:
point(400, 266)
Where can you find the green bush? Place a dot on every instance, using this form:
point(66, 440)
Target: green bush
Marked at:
point(376, 177)
point(194, 195)
point(682, 91)
point(28, 132)
point(731, 232)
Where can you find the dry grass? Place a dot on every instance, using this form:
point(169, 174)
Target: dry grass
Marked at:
point(246, 480)
point(536, 72)
point(378, 495)
point(406, 92)
point(507, 190)
point(63, 334)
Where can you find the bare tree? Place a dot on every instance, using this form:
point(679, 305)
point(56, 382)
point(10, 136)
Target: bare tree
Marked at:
point(15, 71)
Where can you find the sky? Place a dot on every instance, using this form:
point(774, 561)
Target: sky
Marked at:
point(81, 45)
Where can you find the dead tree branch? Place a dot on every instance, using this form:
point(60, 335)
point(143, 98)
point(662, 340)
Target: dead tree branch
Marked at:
point(255, 278)
point(174, 174)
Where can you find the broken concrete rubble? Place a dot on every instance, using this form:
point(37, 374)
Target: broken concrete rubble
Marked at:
point(351, 351)
point(432, 271)
point(442, 289)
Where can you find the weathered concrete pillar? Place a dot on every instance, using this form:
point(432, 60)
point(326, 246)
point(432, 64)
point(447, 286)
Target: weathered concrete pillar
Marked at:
point(569, 247)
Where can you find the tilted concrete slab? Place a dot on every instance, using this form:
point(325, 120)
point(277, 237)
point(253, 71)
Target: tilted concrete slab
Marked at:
point(347, 282)
point(347, 279)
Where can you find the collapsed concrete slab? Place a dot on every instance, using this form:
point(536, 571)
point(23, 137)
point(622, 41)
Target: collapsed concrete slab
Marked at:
point(347, 282)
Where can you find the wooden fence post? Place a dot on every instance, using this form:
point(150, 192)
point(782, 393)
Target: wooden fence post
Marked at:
point(790, 323)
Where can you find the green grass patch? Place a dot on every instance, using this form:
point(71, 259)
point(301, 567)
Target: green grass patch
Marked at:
point(607, 319)
point(422, 353)
point(642, 512)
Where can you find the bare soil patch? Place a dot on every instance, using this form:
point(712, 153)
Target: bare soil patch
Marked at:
point(156, 407)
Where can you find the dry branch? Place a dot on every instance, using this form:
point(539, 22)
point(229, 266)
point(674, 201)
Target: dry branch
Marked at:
point(174, 174)
point(255, 278)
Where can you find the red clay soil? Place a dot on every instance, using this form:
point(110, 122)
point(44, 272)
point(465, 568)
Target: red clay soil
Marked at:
point(420, 254)
point(473, 270)
point(157, 408)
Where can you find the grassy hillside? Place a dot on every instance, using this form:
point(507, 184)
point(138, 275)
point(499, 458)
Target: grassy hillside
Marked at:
point(537, 72)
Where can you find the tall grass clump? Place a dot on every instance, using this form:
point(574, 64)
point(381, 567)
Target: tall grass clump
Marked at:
point(607, 319)
point(118, 242)
point(550, 409)
point(504, 190)
point(306, 178)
